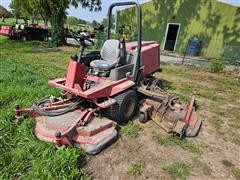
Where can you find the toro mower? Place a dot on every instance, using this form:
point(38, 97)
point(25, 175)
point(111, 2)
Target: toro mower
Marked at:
point(108, 87)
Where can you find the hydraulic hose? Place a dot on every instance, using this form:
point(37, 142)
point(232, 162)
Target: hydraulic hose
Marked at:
point(57, 112)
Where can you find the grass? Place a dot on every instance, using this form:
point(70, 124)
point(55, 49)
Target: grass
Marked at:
point(178, 170)
point(131, 130)
point(25, 69)
point(236, 173)
point(217, 94)
point(136, 169)
point(24, 72)
point(200, 164)
point(172, 141)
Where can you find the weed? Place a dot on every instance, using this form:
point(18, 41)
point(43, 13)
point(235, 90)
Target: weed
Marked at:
point(236, 140)
point(171, 141)
point(206, 170)
point(227, 163)
point(216, 121)
point(136, 169)
point(236, 173)
point(130, 130)
point(178, 170)
point(217, 65)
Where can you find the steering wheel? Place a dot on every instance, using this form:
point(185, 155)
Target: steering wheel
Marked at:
point(82, 39)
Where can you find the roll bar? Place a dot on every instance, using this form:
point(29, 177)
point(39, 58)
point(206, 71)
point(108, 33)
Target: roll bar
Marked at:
point(130, 3)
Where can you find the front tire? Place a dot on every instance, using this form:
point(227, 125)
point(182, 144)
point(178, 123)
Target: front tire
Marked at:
point(125, 108)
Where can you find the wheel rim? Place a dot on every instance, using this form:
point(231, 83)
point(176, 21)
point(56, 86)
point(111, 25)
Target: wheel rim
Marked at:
point(129, 108)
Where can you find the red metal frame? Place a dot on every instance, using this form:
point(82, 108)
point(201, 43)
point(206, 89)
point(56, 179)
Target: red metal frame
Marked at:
point(76, 78)
point(191, 115)
point(150, 55)
point(10, 32)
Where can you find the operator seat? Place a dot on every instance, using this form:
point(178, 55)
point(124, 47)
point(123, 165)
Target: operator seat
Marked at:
point(112, 55)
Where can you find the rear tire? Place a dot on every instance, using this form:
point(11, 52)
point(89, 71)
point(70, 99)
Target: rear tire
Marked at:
point(125, 108)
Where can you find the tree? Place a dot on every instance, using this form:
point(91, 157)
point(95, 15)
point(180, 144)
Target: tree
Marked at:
point(4, 12)
point(55, 12)
point(74, 21)
point(95, 24)
point(23, 9)
point(105, 22)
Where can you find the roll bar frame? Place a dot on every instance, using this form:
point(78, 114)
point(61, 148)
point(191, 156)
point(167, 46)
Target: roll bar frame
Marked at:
point(139, 16)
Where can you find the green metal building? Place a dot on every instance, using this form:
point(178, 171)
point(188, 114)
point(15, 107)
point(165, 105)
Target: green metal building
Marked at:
point(174, 22)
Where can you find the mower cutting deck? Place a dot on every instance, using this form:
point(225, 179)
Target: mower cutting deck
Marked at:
point(104, 88)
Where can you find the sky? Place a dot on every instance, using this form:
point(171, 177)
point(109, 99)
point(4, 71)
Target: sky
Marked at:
point(84, 13)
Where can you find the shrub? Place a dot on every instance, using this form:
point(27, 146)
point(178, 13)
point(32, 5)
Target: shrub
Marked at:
point(217, 65)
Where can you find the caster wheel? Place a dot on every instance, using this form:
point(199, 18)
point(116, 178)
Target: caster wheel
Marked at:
point(143, 118)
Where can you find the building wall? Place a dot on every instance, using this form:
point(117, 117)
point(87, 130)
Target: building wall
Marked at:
point(216, 24)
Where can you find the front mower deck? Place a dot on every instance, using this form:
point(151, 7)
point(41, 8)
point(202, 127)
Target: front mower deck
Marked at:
point(92, 137)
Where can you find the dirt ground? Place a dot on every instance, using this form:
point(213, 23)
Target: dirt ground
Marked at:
point(213, 154)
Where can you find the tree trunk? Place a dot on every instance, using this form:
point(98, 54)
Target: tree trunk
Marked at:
point(25, 21)
point(46, 23)
point(57, 29)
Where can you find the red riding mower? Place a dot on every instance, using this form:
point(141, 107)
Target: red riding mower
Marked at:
point(115, 83)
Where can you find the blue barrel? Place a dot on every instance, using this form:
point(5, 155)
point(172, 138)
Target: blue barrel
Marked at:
point(194, 48)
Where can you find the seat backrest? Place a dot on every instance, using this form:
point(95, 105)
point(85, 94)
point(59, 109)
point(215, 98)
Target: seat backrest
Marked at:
point(111, 50)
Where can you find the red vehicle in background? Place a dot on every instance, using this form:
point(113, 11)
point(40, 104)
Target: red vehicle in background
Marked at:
point(24, 32)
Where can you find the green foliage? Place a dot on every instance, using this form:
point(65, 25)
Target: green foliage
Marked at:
point(4, 12)
point(217, 65)
point(205, 168)
point(100, 37)
point(131, 130)
point(55, 11)
point(227, 163)
point(178, 170)
point(236, 173)
point(105, 21)
point(172, 141)
point(71, 20)
point(136, 169)
point(95, 24)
